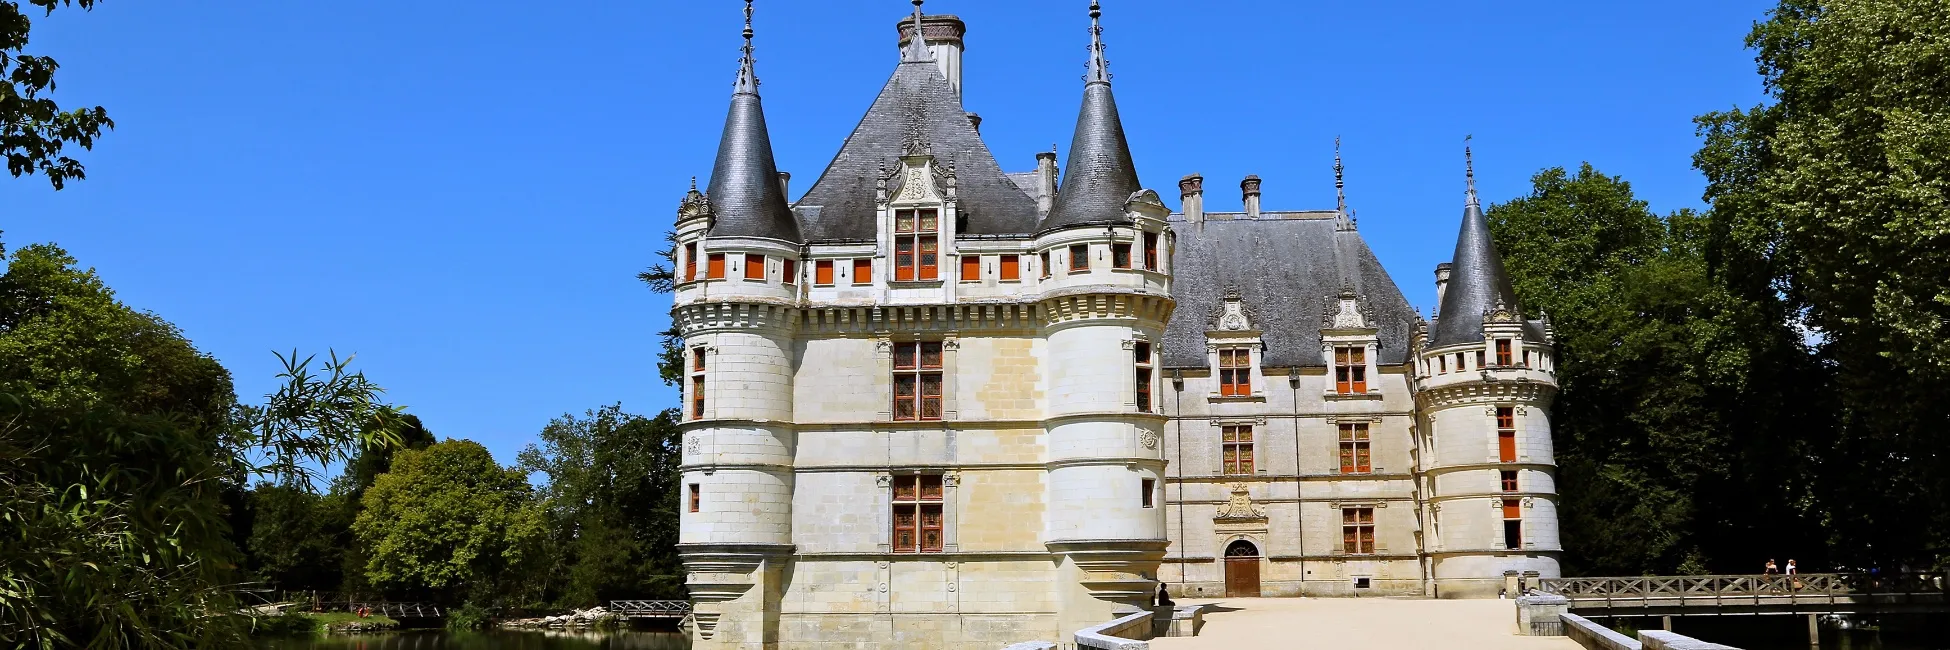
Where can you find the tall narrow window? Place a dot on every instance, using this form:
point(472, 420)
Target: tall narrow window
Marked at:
point(916, 246)
point(1045, 262)
point(862, 272)
point(697, 383)
point(690, 261)
point(1506, 434)
point(1481, 362)
point(1151, 251)
point(917, 514)
point(1503, 352)
point(1079, 258)
point(1235, 372)
point(1009, 269)
point(714, 266)
point(1354, 448)
point(971, 268)
point(1148, 487)
point(1351, 369)
point(1120, 255)
point(1141, 355)
point(1459, 362)
point(1237, 449)
point(694, 497)
point(917, 380)
point(790, 271)
point(1512, 523)
point(1357, 530)
point(755, 267)
point(823, 273)
point(1509, 480)
point(1442, 365)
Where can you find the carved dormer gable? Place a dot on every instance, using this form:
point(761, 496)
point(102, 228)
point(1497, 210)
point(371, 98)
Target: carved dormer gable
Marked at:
point(1231, 315)
point(1347, 311)
point(1240, 507)
point(694, 205)
point(1499, 312)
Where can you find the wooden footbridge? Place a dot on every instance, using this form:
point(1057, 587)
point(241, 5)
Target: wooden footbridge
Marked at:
point(651, 609)
point(393, 609)
point(1806, 594)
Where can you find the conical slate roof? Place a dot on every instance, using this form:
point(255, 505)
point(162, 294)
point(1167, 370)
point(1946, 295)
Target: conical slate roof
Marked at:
point(1477, 281)
point(917, 105)
point(1099, 177)
point(746, 199)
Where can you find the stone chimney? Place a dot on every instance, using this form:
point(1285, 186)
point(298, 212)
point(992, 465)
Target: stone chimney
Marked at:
point(943, 35)
point(785, 185)
point(1045, 182)
point(1250, 188)
point(1441, 281)
point(1191, 198)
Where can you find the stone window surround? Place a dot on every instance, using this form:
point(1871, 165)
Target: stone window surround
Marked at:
point(1130, 388)
point(1374, 424)
point(1518, 411)
point(709, 353)
point(1258, 424)
point(1371, 345)
point(884, 368)
point(1380, 546)
point(884, 511)
point(1496, 505)
point(1255, 352)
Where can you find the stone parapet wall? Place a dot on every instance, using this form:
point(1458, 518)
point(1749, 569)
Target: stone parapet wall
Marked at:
point(1129, 632)
point(1594, 636)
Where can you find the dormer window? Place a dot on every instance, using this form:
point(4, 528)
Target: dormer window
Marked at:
point(1350, 369)
point(1503, 352)
point(1235, 372)
point(917, 247)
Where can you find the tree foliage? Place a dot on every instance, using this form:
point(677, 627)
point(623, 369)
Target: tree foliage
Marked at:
point(1836, 198)
point(34, 130)
point(449, 523)
point(611, 497)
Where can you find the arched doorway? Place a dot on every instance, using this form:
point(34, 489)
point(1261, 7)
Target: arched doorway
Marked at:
point(1242, 569)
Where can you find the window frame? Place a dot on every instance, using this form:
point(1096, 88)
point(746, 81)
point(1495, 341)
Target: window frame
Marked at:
point(754, 267)
point(1235, 371)
point(916, 378)
point(1008, 268)
point(1357, 530)
point(1075, 266)
point(714, 266)
point(1512, 524)
point(1143, 378)
point(696, 497)
point(1356, 450)
point(690, 261)
point(1147, 486)
point(917, 236)
point(1506, 434)
point(1507, 480)
point(968, 260)
point(824, 275)
point(1151, 251)
point(1236, 457)
point(1120, 255)
point(698, 368)
point(1503, 356)
point(1045, 265)
point(862, 271)
point(1351, 369)
point(919, 502)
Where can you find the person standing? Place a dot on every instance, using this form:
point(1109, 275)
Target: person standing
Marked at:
point(1790, 566)
point(1770, 567)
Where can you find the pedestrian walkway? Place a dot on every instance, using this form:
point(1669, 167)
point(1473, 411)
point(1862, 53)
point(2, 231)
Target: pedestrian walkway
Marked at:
point(1349, 623)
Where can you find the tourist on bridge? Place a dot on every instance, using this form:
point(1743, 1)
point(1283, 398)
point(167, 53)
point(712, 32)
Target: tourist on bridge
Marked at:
point(1771, 570)
point(1790, 566)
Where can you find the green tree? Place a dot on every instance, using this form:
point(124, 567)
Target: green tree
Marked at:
point(449, 523)
point(611, 496)
point(1836, 197)
point(1674, 455)
point(297, 537)
point(33, 128)
point(119, 445)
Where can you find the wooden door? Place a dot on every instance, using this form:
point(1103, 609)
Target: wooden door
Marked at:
point(1242, 570)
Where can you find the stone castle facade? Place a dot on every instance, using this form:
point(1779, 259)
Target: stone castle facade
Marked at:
point(934, 404)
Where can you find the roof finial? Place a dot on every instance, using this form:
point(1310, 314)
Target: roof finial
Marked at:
point(747, 72)
point(1469, 172)
point(917, 47)
point(693, 183)
point(1099, 68)
point(1340, 195)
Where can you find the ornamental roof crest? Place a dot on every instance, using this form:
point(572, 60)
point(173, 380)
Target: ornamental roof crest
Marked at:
point(694, 204)
point(1241, 505)
point(1502, 313)
point(1231, 315)
point(1348, 310)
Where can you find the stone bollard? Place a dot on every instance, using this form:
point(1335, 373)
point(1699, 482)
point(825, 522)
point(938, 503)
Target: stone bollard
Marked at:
point(1538, 614)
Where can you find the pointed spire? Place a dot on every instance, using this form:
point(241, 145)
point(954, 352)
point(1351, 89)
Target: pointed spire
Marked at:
point(1099, 69)
point(1478, 282)
point(746, 199)
point(917, 47)
point(1469, 173)
point(1340, 193)
point(1099, 178)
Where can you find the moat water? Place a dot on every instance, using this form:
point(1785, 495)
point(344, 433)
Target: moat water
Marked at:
point(494, 640)
point(1894, 632)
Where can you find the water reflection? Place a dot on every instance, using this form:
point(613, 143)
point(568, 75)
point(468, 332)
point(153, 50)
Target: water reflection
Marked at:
point(495, 640)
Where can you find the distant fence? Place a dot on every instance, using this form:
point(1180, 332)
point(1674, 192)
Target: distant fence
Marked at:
point(1808, 593)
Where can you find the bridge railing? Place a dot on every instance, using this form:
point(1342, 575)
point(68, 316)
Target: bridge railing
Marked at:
point(651, 608)
point(1687, 587)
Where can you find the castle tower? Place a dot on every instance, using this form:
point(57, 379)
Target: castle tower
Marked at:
point(738, 257)
point(1104, 326)
point(1485, 384)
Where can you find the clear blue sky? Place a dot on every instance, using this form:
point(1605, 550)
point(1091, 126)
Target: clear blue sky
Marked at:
point(460, 193)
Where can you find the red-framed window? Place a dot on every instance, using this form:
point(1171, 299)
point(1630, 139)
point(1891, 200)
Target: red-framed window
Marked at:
point(1235, 372)
point(1045, 262)
point(1503, 352)
point(917, 246)
point(1151, 251)
point(1508, 478)
point(1079, 258)
point(823, 273)
point(1120, 255)
point(1141, 356)
point(1009, 269)
point(1506, 434)
point(690, 261)
point(917, 516)
point(714, 266)
point(1512, 523)
point(1236, 449)
point(755, 267)
point(917, 380)
point(1355, 457)
point(789, 271)
point(971, 268)
point(696, 497)
point(862, 271)
point(1351, 369)
point(1357, 531)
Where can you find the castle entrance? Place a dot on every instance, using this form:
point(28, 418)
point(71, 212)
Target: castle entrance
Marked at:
point(1242, 570)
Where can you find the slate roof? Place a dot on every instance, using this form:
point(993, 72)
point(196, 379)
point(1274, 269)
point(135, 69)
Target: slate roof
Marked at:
point(1476, 282)
point(1286, 265)
point(746, 200)
point(840, 205)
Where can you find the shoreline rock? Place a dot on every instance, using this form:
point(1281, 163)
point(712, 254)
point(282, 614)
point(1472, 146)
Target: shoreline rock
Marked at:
point(574, 620)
